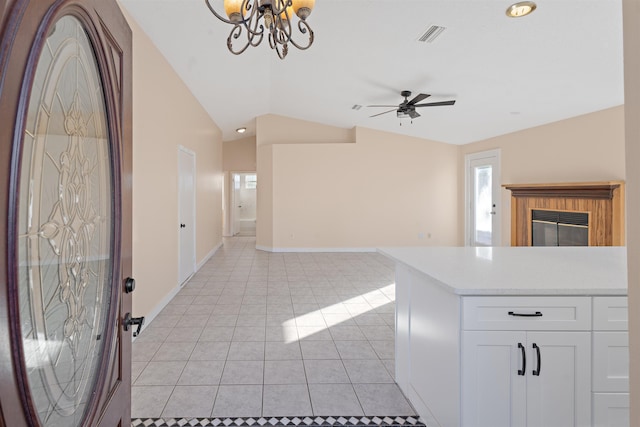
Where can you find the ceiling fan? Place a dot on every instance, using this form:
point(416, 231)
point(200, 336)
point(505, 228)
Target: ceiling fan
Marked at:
point(407, 109)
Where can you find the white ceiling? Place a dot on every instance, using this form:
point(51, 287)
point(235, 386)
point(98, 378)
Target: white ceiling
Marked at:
point(506, 74)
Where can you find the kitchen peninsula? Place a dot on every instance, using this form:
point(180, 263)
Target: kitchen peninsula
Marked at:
point(513, 336)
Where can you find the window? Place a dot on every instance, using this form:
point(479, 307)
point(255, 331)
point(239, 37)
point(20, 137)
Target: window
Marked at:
point(250, 182)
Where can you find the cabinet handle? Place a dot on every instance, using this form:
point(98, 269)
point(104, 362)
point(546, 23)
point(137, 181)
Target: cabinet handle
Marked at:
point(524, 360)
point(536, 314)
point(536, 372)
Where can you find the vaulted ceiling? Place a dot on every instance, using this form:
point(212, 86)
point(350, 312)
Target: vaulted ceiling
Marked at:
point(506, 74)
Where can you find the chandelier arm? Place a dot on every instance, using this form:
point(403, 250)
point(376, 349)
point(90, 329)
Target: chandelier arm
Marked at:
point(282, 34)
point(272, 43)
point(285, 4)
point(281, 50)
point(304, 28)
point(245, 6)
point(255, 33)
point(235, 33)
point(276, 13)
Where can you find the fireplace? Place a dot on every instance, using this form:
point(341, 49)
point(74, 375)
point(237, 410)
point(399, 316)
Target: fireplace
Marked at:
point(559, 228)
point(567, 214)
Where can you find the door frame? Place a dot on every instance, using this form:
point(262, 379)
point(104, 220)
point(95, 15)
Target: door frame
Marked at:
point(232, 202)
point(192, 220)
point(496, 179)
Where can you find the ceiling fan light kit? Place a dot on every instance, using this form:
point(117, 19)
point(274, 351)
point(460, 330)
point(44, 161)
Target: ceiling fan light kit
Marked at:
point(252, 20)
point(407, 109)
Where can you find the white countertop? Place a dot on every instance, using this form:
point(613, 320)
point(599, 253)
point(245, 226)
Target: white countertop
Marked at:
point(520, 270)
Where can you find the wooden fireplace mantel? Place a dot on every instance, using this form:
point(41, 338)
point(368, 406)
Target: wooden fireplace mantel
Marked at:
point(603, 201)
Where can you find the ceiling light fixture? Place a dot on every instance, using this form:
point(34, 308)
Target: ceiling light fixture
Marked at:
point(520, 9)
point(253, 19)
point(241, 130)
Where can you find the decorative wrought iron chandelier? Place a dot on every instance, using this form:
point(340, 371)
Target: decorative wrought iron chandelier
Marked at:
point(253, 19)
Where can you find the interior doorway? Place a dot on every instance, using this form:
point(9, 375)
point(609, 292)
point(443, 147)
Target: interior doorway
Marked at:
point(242, 219)
point(482, 198)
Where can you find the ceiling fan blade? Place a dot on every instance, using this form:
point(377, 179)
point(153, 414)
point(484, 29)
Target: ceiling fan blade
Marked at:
point(379, 114)
point(387, 106)
point(419, 97)
point(435, 104)
point(413, 114)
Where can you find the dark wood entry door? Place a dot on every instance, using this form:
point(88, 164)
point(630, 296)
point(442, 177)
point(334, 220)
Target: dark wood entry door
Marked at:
point(65, 213)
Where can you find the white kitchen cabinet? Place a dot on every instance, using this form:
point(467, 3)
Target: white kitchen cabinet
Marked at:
point(533, 379)
point(461, 312)
point(493, 393)
point(560, 396)
point(611, 410)
point(610, 362)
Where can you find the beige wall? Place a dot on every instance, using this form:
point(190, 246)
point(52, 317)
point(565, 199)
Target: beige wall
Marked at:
point(264, 199)
point(166, 115)
point(585, 148)
point(274, 129)
point(631, 16)
point(239, 155)
point(383, 190)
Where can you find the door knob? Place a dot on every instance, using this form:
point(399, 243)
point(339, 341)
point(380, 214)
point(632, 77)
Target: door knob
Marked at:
point(129, 285)
point(130, 321)
point(183, 225)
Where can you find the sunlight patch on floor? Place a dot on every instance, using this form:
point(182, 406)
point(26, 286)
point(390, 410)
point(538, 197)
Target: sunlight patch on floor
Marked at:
point(314, 321)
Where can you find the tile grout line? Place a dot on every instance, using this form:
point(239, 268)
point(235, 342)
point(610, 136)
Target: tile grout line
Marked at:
point(294, 265)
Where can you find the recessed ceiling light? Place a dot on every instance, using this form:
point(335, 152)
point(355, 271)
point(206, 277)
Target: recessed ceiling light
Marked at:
point(241, 130)
point(520, 9)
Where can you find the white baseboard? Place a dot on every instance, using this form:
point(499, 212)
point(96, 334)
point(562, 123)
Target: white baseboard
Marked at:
point(167, 299)
point(272, 249)
point(208, 257)
point(158, 308)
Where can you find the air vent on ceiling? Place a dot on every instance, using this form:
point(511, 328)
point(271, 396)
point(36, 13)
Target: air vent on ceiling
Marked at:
point(431, 34)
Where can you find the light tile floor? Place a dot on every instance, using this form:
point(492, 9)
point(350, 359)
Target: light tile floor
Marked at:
point(266, 334)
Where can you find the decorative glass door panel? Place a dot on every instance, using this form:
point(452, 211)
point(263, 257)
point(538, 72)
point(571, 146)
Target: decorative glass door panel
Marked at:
point(483, 202)
point(483, 193)
point(65, 244)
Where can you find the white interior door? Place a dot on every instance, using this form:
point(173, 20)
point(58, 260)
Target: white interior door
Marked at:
point(186, 213)
point(483, 198)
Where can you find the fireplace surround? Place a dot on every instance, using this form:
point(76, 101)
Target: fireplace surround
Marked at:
point(600, 204)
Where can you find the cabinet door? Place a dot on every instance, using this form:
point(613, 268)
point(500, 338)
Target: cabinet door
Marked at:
point(493, 393)
point(560, 396)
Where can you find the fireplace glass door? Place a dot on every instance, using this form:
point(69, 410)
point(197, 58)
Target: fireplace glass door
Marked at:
point(559, 228)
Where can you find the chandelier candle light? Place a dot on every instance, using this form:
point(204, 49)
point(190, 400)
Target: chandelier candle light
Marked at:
point(255, 18)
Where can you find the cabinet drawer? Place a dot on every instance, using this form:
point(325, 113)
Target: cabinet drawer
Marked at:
point(611, 361)
point(526, 313)
point(611, 410)
point(610, 314)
